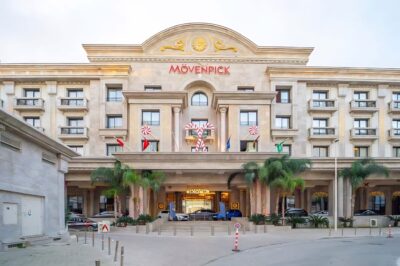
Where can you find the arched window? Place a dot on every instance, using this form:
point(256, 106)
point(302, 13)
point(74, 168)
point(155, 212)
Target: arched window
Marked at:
point(199, 99)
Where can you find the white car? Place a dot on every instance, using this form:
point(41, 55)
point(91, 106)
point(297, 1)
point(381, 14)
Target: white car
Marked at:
point(321, 213)
point(179, 216)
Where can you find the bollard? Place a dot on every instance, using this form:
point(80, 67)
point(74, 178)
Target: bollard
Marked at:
point(116, 251)
point(342, 230)
point(265, 228)
point(390, 232)
point(122, 256)
point(212, 230)
point(236, 244)
point(137, 229)
point(255, 229)
point(229, 230)
point(85, 237)
point(380, 231)
point(355, 231)
point(97, 263)
point(370, 230)
point(174, 230)
point(102, 242)
point(159, 229)
point(109, 246)
point(77, 239)
point(147, 228)
point(191, 230)
point(92, 238)
point(330, 231)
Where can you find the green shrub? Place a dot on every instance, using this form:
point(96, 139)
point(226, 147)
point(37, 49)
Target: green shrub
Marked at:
point(395, 219)
point(295, 220)
point(318, 221)
point(273, 218)
point(346, 221)
point(124, 220)
point(144, 218)
point(257, 219)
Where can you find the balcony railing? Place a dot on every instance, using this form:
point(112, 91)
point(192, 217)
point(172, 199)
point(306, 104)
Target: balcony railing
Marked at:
point(363, 105)
point(68, 103)
point(394, 106)
point(208, 135)
point(326, 105)
point(323, 132)
point(394, 133)
point(73, 132)
point(364, 133)
point(29, 103)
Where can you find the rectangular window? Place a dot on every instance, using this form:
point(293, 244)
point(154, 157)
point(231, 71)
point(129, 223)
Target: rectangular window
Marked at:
point(152, 88)
point(396, 123)
point(361, 123)
point(245, 89)
point(32, 93)
point(320, 95)
point(248, 118)
point(114, 94)
point(248, 146)
point(361, 151)
point(193, 149)
point(151, 117)
point(75, 203)
point(282, 122)
point(75, 121)
point(75, 93)
point(396, 96)
point(76, 148)
point(283, 96)
point(360, 95)
point(199, 123)
point(287, 148)
point(153, 146)
point(320, 122)
point(114, 121)
point(396, 151)
point(32, 120)
point(320, 151)
point(113, 148)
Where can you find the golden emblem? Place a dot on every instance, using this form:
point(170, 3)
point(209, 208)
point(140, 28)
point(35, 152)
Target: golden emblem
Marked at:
point(179, 46)
point(199, 44)
point(220, 46)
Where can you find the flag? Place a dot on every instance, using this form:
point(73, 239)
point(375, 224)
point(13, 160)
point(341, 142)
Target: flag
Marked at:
point(146, 144)
point(120, 142)
point(279, 146)
point(228, 144)
point(255, 141)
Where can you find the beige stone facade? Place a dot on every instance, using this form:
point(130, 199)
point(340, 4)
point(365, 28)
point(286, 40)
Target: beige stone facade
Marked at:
point(208, 73)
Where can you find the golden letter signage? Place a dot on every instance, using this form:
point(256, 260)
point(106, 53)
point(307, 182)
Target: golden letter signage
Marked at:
point(197, 191)
point(210, 70)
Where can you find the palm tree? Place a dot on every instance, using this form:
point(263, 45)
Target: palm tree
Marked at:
point(358, 172)
point(154, 181)
point(286, 185)
point(113, 177)
point(132, 179)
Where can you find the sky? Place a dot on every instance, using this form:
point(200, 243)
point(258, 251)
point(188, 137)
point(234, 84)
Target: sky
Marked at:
point(345, 33)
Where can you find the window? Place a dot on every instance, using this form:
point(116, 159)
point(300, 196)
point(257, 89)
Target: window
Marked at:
point(396, 127)
point(114, 121)
point(153, 146)
point(396, 96)
point(282, 122)
point(32, 93)
point(199, 123)
point(361, 126)
point(283, 96)
point(361, 151)
point(151, 117)
point(320, 95)
point(32, 120)
point(75, 126)
point(75, 203)
point(75, 93)
point(396, 151)
point(77, 148)
point(377, 202)
point(193, 149)
point(75, 121)
point(114, 94)
point(152, 88)
point(113, 148)
point(245, 89)
point(320, 122)
point(199, 99)
point(287, 148)
point(360, 95)
point(248, 118)
point(248, 145)
point(320, 151)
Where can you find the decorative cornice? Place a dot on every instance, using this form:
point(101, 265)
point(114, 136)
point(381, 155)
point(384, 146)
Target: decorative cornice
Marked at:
point(229, 98)
point(170, 97)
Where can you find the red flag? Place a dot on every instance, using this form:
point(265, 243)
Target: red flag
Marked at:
point(146, 144)
point(120, 142)
point(255, 141)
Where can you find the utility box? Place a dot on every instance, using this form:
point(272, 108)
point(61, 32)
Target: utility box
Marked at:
point(373, 222)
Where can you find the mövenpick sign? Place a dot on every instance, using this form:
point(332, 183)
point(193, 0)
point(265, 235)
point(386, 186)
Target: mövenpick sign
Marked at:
point(185, 69)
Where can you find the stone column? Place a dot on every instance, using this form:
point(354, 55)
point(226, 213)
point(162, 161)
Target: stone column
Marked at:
point(309, 200)
point(91, 202)
point(223, 110)
point(331, 198)
point(176, 111)
point(258, 197)
point(340, 196)
point(267, 200)
point(242, 201)
point(388, 202)
point(85, 202)
point(303, 199)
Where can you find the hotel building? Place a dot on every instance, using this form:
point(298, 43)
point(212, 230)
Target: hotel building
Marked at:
point(203, 73)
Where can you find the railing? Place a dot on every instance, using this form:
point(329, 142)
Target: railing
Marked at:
point(71, 130)
point(394, 132)
point(322, 131)
point(323, 103)
point(29, 102)
point(72, 102)
point(394, 106)
point(363, 131)
point(363, 104)
point(193, 132)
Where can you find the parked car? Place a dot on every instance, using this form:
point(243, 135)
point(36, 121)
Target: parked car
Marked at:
point(296, 212)
point(321, 213)
point(105, 214)
point(364, 213)
point(179, 216)
point(203, 214)
point(229, 215)
point(75, 215)
point(81, 223)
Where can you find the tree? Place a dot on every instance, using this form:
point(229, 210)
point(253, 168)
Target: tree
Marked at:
point(358, 172)
point(114, 178)
point(132, 179)
point(154, 181)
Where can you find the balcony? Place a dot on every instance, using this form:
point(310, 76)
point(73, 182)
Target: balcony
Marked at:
point(29, 104)
point(113, 132)
point(283, 133)
point(323, 105)
point(208, 136)
point(363, 106)
point(71, 132)
point(394, 107)
point(322, 133)
point(364, 133)
point(394, 134)
point(71, 104)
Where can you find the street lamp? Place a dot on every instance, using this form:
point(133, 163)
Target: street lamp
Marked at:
point(335, 218)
